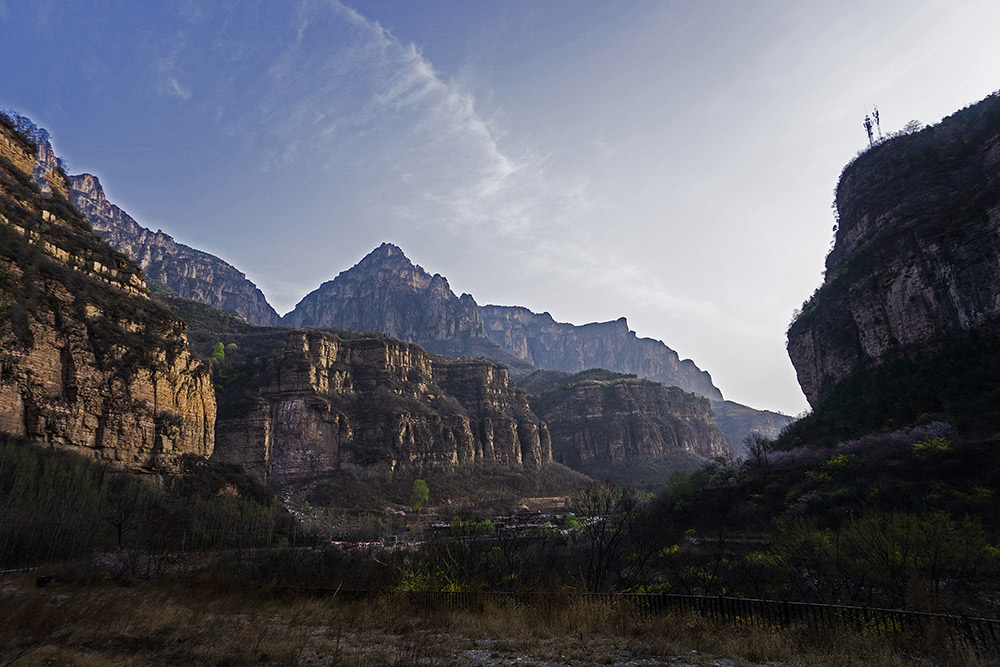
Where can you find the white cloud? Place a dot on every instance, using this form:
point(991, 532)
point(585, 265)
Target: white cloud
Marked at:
point(425, 156)
point(169, 82)
point(173, 87)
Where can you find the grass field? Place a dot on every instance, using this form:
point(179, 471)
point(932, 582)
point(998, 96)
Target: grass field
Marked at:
point(211, 619)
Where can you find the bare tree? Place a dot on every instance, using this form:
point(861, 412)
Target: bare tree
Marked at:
point(610, 516)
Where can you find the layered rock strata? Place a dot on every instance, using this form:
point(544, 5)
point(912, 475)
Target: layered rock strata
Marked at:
point(328, 402)
point(916, 257)
point(87, 362)
point(596, 422)
point(386, 292)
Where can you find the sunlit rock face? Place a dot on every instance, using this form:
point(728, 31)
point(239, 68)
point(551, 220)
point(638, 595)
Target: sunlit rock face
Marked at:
point(917, 252)
point(183, 271)
point(87, 362)
point(329, 402)
point(388, 293)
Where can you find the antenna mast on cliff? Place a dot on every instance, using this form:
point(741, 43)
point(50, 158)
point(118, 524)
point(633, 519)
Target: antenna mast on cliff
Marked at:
point(875, 116)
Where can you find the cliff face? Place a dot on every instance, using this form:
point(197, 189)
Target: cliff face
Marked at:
point(87, 361)
point(388, 293)
point(326, 402)
point(917, 252)
point(597, 423)
point(545, 343)
point(737, 421)
point(184, 271)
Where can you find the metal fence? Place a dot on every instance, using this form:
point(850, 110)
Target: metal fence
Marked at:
point(981, 633)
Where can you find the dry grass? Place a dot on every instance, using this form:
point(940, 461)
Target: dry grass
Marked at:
point(196, 620)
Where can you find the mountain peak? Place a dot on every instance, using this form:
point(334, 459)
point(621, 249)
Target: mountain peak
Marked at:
point(387, 254)
point(386, 250)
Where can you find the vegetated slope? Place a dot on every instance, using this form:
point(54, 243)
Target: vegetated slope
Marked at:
point(905, 324)
point(59, 506)
point(899, 519)
point(87, 362)
point(298, 407)
point(186, 272)
point(630, 431)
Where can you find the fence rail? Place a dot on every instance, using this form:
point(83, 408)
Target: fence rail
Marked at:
point(981, 633)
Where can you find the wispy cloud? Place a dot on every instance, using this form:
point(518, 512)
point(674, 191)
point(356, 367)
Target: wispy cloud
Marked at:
point(169, 75)
point(425, 155)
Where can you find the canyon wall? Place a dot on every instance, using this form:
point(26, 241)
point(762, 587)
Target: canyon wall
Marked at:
point(916, 257)
point(598, 420)
point(329, 401)
point(88, 362)
point(541, 341)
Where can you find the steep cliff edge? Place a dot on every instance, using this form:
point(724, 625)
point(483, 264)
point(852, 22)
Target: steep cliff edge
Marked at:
point(916, 260)
point(87, 362)
point(626, 429)
point(184, 271)
point(545, 343)
point(296, 406)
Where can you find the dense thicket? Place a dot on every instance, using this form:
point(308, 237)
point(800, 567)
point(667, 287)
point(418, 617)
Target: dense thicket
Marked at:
point(57, 505)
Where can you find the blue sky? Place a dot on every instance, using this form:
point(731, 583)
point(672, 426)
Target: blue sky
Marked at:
point(670, 162)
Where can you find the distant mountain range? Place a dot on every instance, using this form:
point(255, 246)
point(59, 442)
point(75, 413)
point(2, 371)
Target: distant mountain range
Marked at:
point(388, 293)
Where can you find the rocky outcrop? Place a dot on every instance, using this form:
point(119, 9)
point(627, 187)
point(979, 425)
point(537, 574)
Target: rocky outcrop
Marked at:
point(328, 402)
point(386, 292)
point(87, 362)
point(594, 423)
point(545, 343)
point(916, 257)
point(182, 270)
point(738, 421)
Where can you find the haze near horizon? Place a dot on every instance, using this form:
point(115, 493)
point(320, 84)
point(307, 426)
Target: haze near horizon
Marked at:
point(669, 162)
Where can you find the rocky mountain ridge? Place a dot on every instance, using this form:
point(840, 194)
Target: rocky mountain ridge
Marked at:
point(386, 292)
point(541, 341)
point(87, 362)
point(182, 270)
point(916, 259)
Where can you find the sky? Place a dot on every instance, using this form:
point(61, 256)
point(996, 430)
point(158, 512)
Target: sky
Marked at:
point(672, 162)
